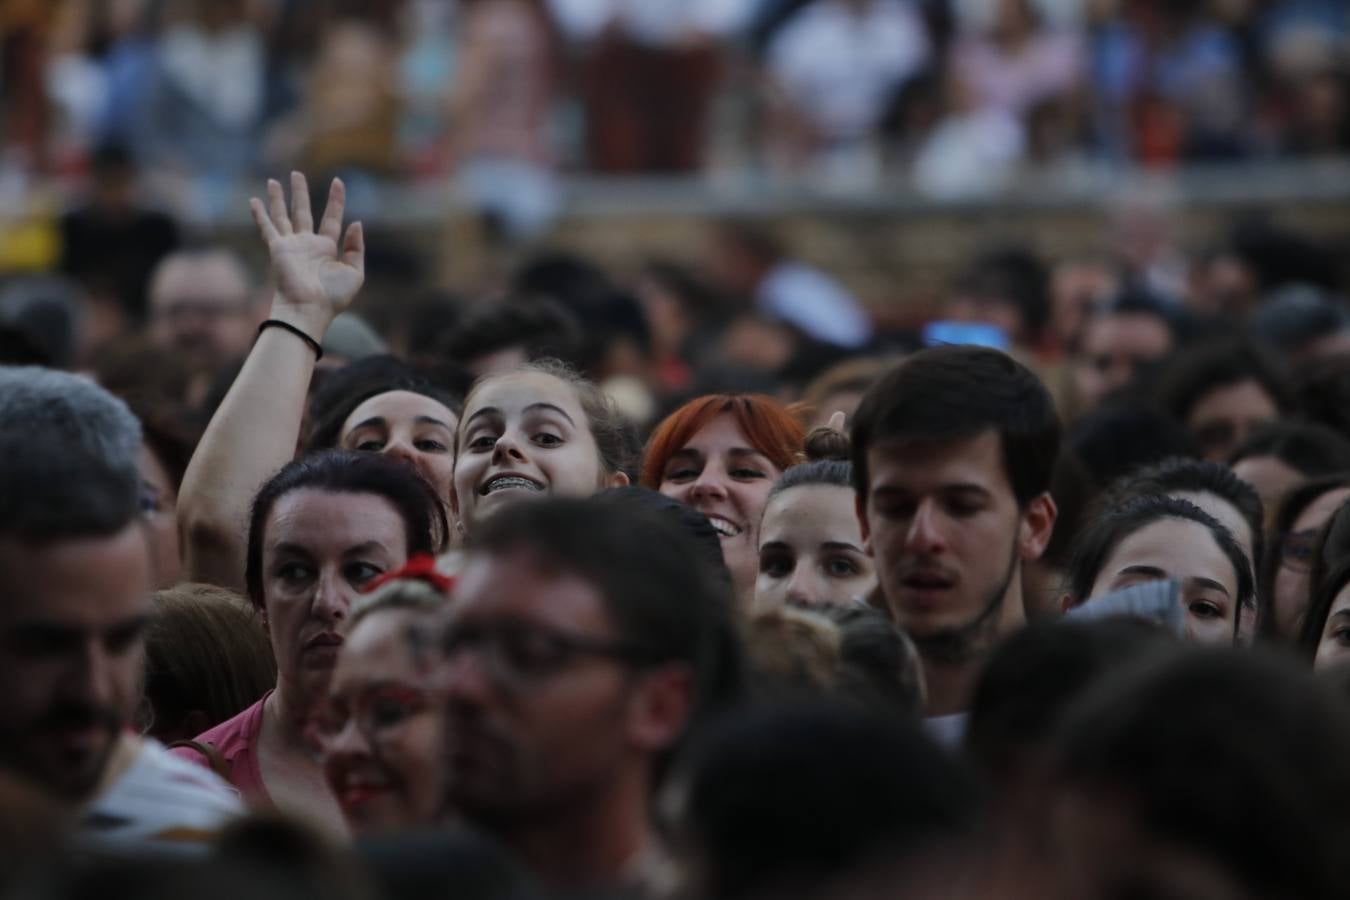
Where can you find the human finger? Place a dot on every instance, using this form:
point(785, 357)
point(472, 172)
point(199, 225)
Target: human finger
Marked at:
point(331, 224)
point(302, 215)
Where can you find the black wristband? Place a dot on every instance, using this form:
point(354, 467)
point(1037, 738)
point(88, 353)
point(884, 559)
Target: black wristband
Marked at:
point(277, 323)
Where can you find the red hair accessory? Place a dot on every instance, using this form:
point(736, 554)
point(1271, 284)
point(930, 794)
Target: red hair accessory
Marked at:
point(421, 567)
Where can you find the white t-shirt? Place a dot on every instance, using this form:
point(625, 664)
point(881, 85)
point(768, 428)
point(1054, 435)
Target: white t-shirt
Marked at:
point(841, 68)
point(948, 730)
point(654, 22)
point(161, 803)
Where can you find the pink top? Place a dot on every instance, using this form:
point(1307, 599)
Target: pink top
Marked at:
point(237, 741)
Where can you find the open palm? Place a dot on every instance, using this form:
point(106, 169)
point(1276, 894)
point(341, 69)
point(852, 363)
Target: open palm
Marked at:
point(316, 277)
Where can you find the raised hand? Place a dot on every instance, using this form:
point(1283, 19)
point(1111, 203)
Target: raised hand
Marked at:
point(315, 278)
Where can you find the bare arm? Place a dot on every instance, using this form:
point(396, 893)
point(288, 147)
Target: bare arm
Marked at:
point(256, 428)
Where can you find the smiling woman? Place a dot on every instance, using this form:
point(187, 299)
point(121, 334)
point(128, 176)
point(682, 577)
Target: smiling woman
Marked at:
point(1159, 538)
point(534, 431)
point(721, 455)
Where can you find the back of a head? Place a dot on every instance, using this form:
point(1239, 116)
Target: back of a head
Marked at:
point(1032, 678)
point(70, 457)
point(639, 560)
point(785, 796)
point(206, 653)
point(1236, 758)
point(1295, 316)
point(541, 327)
point(955, 393)
point(690, 520)
point(1120, 437)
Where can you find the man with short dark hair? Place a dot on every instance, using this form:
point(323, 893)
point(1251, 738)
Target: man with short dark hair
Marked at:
point(952, 455)
point(76, 564)
point(582, 646)
point(204, 305)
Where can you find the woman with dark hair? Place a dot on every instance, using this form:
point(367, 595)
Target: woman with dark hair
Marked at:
point(319, 531)
point(721, 455)
point(1276, 458)
point(1291, 549)
point(1324, 640)
point(1158, 538)
point(811, 550)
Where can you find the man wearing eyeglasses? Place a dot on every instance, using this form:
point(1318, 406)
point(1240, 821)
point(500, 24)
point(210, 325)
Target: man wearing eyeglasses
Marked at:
point(203, 305)
point(585, 641)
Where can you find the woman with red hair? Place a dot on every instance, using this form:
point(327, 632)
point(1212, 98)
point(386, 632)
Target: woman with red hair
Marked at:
point(721, 454)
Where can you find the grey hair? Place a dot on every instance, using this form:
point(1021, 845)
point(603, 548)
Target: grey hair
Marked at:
point(68, 456)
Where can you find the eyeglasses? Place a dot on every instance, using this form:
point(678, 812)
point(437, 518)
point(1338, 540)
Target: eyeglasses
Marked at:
point(378, 711)
point(516, 654)
point(1297, 549)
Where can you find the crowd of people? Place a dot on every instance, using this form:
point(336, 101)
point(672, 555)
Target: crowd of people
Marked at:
point(957, 95)
point(638, 590)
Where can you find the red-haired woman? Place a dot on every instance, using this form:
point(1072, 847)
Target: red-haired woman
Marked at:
point(720, 454)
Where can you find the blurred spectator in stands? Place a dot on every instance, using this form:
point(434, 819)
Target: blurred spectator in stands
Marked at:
point(683, 314)
point(1079, 286)
point(204, 305)
point(1221, 283)
point(351, 108)
point(110, 243)
point(1169, 79)
point(1302, 43)
point(498, 337)
point(51, 316)
point(1017, 60)
point(752, 267)
point(1006, 287)
point(201, 111)
point(1134, 331)
point(834, 69)
point(649, 73)
point(1304, 323)
point(1222, 391)
point(502, 108)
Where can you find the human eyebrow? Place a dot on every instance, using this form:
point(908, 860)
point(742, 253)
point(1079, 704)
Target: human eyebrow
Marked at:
point(1152, 572)
point(1209, 583)
point(372, 422)
point(550, 407)
point(839, 545)
point(485, 411)
point(290, 549)
point(429, 420)
point(774, 545)
point(364, 549)
point(685, 453)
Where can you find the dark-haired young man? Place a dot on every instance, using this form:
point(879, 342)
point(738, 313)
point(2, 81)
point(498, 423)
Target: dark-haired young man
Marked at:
point(582, 645)
point(952, 455)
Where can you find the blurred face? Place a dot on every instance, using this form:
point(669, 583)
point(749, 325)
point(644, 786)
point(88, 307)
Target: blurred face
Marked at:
point(72, 650)
point(538, 712)
point(1226, 416)
point(721, 474)
point(415, 429)
point(159, 504)
point(947, 535)
point(1184, 550)
point(1271, 477)
point(319, 550)
point(1291, 587)
point(811, 549)
point(523, 435)
point(201, 307)
point(1333, 651)
point(1115, 347)
point(381, 728)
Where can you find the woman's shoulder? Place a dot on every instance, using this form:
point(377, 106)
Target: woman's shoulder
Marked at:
point(231, 737)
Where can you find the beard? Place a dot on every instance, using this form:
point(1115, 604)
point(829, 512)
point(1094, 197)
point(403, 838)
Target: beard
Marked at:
point(71, 774)
point(959, 644)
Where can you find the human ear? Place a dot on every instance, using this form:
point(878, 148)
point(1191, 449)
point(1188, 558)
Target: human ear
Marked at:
point(618, 479)
point(860, 510)
point(1038, 524)
point(660, 707)
point(1065, 602)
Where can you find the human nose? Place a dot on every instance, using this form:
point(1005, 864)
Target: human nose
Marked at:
point(506, 449)
point(90, 677)
point(709, 485)
point(925, 533)
point(350, 740)
point(331, 600)
point(804, 587)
